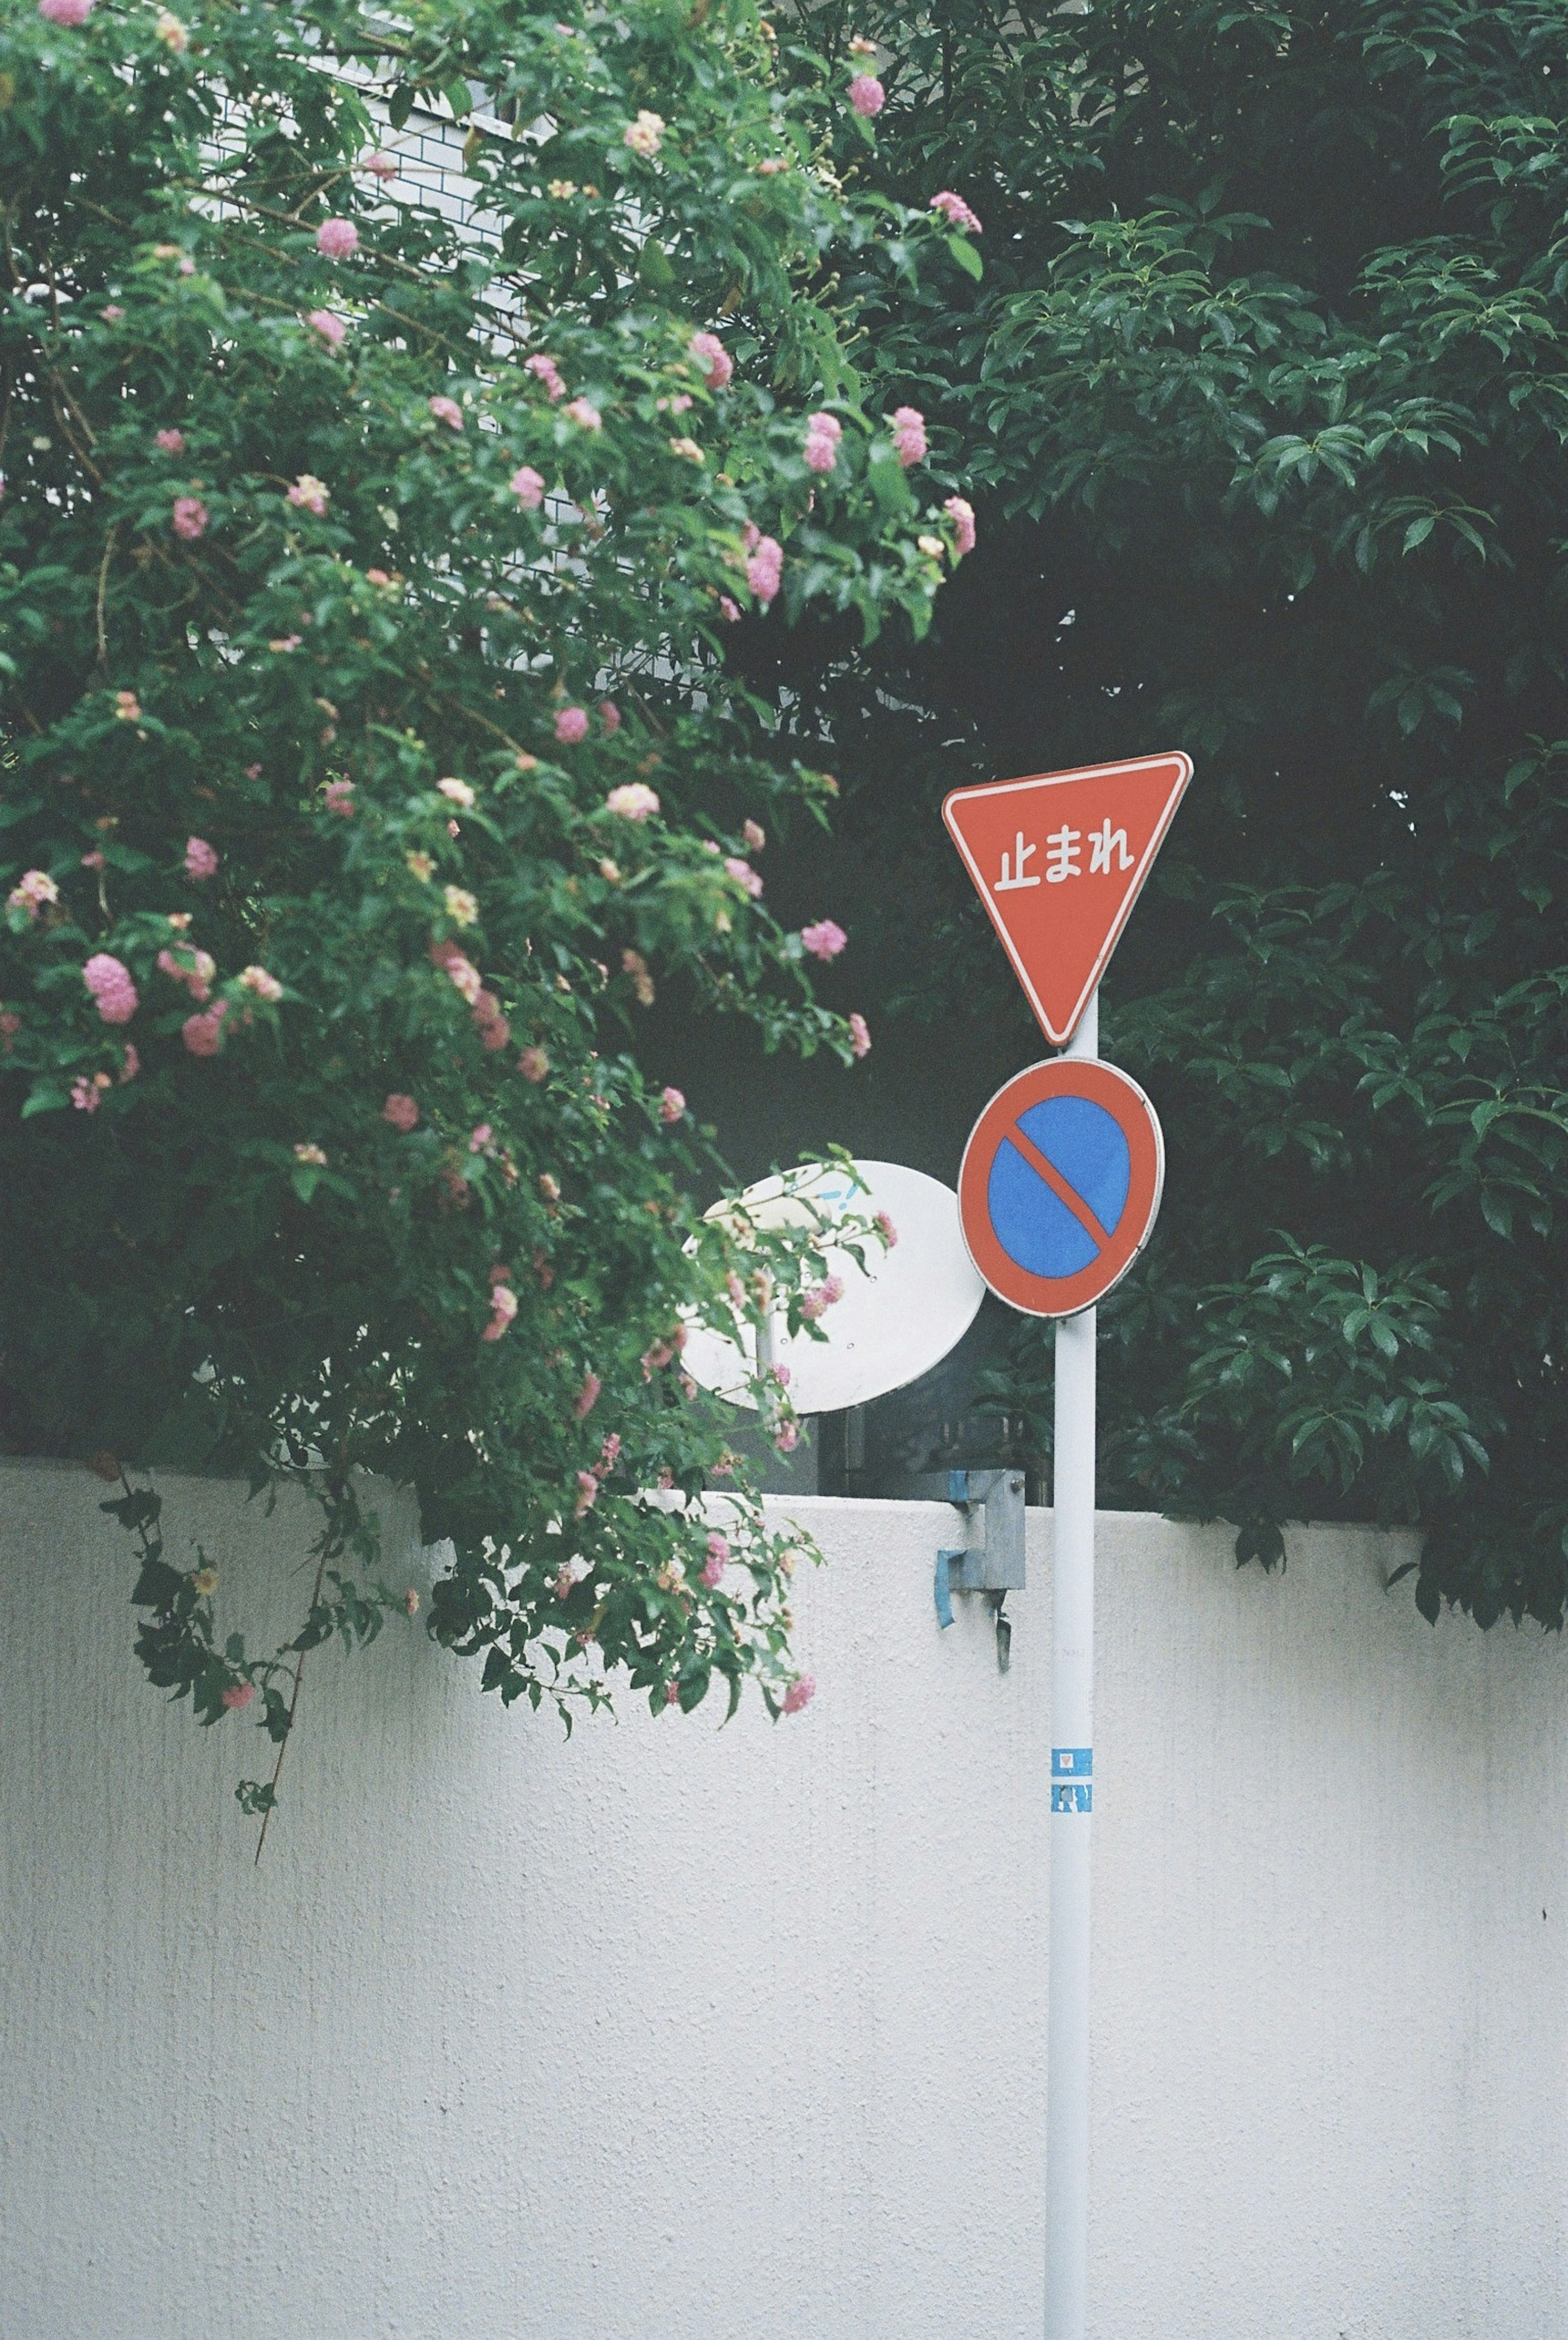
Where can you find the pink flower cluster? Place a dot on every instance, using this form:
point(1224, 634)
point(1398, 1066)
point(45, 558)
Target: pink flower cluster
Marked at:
point(400, 1111)
point(239, 1695)
point(330, 328)
point(718, 1560)
point(109, 981)
point(545, 370)
point(824, 940)
point(714, 358)
point(572, 725)
point(338, 796)
point(171, 442)
point(256, 980)
point(528, 486)
point(586, 1397)
point(908, 435)
point(310, 494)
point(755, 835)
point(962, 515)
point(800, 1695)
point(823, 432)
point(829, 1293)
point(633, 800)
point(663, 1353)
point(193, 967)
point(203, 1034)
point(889, 1231)
point(743, 875)
point(956, 210)
point(584, 414)
point(447, 410)
point(34, 891)
point(859, 1038)
point(189, 518)
point(764, 564)
point(671, 1105)
point(201, 858)
point(457, 970)
point(534, 1064)
point(503, 1309)
point(491, 1026)
point(867, 96)
point(71, 13)
point(337, 238)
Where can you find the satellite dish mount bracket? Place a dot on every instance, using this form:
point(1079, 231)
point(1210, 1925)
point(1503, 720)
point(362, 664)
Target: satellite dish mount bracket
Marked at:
point(991, 1558)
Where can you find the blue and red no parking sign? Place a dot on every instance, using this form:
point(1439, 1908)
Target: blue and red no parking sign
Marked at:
point(1060, 1185)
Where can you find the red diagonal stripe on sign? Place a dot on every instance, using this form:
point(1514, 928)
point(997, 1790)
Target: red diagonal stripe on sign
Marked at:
point(1047, 1169)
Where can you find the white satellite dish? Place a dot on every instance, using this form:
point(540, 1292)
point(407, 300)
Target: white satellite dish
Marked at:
point(898, 1316)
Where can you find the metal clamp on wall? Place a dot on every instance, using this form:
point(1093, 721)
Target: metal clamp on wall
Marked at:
point(991, 1558)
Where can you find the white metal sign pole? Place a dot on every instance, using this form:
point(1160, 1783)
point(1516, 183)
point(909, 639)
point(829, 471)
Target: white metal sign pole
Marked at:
point(1072, 1801)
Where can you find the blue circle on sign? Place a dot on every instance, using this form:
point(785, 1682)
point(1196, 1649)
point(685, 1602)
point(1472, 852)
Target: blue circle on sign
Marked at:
point(1085, 1146)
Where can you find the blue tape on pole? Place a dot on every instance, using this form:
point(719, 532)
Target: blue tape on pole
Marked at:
point(1077, 1761)
point(1071, 1796)
point(944, 1590)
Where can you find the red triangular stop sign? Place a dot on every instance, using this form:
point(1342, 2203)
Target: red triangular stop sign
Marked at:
point(1059, 860)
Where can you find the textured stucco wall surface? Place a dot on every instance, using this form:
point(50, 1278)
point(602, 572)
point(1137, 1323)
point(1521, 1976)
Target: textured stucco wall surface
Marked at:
point(668, 2033)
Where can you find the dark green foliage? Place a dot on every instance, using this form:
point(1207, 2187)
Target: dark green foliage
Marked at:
point(1263, 402)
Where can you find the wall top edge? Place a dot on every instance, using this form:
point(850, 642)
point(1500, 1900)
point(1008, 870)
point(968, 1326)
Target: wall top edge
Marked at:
point(865, 1508)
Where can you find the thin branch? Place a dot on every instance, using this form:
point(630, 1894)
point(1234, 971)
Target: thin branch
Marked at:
point(142, 1537)
point(331, 1544)
point(469, 714)
point(102, 590)
point(61, 390)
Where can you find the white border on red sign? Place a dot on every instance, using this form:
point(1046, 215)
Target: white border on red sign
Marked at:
point(1054, 781)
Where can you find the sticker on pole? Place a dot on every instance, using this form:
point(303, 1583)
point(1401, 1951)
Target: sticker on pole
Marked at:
point(1060, 1185)
point(1058, 861)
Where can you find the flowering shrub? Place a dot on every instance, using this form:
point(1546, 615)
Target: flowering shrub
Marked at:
point(370, 754)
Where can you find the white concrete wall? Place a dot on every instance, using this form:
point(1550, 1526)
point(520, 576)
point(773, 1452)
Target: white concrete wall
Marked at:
point(670, 2034)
